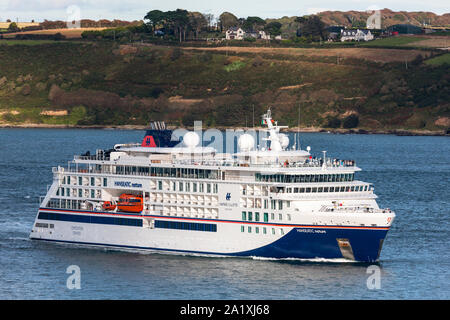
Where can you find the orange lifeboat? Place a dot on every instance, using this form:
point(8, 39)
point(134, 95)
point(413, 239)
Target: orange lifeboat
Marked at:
point(130, 203)
point(109, 206)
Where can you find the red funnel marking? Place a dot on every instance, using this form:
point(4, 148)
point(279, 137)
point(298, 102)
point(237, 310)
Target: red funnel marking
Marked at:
point(149, 142)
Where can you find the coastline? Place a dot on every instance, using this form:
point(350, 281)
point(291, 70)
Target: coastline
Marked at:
point(398, 132)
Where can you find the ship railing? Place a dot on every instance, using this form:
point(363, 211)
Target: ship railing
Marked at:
point(93, 158)
point(358, 209)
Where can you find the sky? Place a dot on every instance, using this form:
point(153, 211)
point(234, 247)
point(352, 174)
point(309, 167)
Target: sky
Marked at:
point(68, 10)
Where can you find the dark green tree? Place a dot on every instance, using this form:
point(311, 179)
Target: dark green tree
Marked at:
point(228, 20)
point(154, 18)
point(313, 26)
point(273, 28)
point(254, 23)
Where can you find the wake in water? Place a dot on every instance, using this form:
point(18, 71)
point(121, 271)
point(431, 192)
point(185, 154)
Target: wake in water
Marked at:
point(314, 260)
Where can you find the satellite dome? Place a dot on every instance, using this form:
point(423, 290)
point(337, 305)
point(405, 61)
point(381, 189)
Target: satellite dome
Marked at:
point(284, 140)
point(191, 139)
point(246, 142)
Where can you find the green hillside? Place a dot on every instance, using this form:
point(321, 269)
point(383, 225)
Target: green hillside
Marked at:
point(106, 84)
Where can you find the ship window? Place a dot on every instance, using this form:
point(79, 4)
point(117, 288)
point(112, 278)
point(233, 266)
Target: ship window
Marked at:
point(308, 190)
point(250, 216)
point(314, 190)
point(249, 229)
point(256, 229)
point(289, 217)
point(68, 180)
point(242, 228)
point(280, 217)
point(331, 189)
point(159, 185)
point(188, 187)
point(342, 189)
point(280, 205)
point(180, 186)
point(365, 188)
point(302, 190)
point(208, 188)
point(266, 217)
point(256, 216)
point(201, 187)
point(273, 230)
point(320, 189)
point(194, 187)
point(80, 193)
point(265, 230)
point(281, 231)
point(272, 216)
point(244, 215)
point(92, 193)
point(80, 181)
point(325, 189)
point(266, 203)
point(215, 188)
point(105, 182)
point(295, 190)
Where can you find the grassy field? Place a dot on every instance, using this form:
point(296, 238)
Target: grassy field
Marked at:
point(437, 61)
point(398, 41)
point(370, 54)
point(418, 41)
point(26, 42)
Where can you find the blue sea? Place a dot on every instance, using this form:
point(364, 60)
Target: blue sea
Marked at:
point(411, 175)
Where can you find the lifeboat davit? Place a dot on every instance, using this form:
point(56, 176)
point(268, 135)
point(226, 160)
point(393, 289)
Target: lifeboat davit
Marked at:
point(109, 206)
point(130, 203)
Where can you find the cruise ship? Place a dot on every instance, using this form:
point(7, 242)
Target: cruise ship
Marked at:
point(174, 194)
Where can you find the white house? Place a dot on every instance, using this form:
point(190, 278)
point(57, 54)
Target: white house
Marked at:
point(235, 33)
point(356, 35)
point(263, 35)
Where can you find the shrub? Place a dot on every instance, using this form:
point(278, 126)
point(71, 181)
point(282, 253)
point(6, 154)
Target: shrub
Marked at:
point(333, 123)
point(351, 121)
point(176, 54)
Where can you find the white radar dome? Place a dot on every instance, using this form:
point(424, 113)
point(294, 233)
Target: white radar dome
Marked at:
point(246, 142)
point(191, 139)
point(284, 140)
